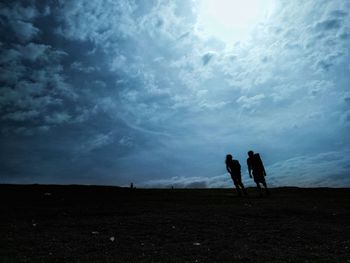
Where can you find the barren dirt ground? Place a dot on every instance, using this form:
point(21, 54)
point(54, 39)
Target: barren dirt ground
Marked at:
point(110, 224)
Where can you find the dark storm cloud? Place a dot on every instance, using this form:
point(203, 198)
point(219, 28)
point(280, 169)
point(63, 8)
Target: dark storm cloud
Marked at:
point(339, 13)
point(328, 24)
point(35, 93)
point(19, 19)
point(207, 57)
point(33, 51)
point(97, 21)
point(24, 31)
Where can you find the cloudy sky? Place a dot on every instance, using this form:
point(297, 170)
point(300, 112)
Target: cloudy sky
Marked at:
point(157, 92)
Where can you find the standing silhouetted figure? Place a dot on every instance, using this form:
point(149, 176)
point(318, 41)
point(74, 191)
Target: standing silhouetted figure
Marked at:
point(234, 169)
point(256, 167)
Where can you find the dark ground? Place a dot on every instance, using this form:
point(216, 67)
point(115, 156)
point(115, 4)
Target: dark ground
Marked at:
point(77, 223)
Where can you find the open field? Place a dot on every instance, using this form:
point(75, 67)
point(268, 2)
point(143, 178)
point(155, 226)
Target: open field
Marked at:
point(110, 224)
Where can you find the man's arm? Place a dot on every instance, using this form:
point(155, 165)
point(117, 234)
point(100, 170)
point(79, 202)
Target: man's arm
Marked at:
point(249, 168)
point(228, 169)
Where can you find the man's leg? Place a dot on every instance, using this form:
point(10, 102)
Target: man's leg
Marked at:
point(259, 188)
point(243, 188)
point(266, 189)
point(237, 187)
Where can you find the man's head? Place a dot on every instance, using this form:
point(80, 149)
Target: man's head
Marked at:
point(250, 153)
point(229, 157)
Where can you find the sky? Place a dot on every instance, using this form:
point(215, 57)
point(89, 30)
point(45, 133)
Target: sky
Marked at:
point(157, 92)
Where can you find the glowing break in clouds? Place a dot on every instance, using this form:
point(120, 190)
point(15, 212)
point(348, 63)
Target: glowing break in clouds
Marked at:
point(231, 20)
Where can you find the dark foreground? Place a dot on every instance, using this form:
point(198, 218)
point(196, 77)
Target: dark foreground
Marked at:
point(107, 224)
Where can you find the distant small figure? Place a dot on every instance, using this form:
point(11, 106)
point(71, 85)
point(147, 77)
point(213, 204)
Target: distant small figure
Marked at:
point(132, 186)
point(257, 169)
point(233, 167)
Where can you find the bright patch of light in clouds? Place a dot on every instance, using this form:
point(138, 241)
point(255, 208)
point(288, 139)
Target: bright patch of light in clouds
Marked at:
point(231, 20)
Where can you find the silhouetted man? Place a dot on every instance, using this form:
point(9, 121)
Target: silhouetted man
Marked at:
point(256, 167)
point(234, 169)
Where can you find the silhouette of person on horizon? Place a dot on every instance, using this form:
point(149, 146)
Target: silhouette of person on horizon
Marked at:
point(233, 167)
point(257, 169)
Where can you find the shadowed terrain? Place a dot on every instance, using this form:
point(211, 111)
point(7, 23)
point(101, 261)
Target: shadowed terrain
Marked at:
point(109, 224)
